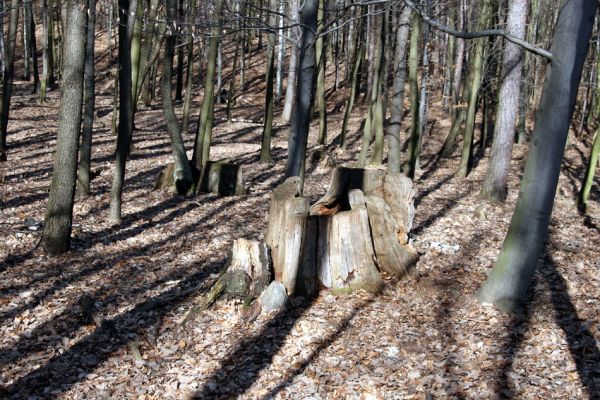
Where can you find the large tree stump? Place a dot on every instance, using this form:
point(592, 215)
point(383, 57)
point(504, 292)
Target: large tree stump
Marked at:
point(360, 226)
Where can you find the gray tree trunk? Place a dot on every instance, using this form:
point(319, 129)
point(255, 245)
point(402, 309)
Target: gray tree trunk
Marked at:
point(494, 186)
point(56, 237)
point(394, 152)
point(290, 91)
point(509, 281)
point(298, 136)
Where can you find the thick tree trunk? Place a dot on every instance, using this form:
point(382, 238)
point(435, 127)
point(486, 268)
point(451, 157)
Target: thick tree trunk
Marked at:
point(298, 136)
point(56, 237)
point(126, 8)
point(509, 281)
point(494, 186)
point(8, 76)
point(182, 173)
point(399, 72)
point(89, 100)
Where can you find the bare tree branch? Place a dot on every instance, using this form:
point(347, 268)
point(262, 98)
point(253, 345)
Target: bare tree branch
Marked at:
point(474, 35)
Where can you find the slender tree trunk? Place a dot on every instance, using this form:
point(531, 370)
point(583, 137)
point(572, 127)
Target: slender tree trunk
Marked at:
point(8, 76)
point(378, 83)
point(45, 52)
point(89, 100)
point(25, 34)
point(590, 172)
point(410, 164)
point(509, 281)
point(449, 71)
point(34, 55)
point(394, 152)
point(290, 91)
point(423, 103)
point(356, 64)
point(231, 92)
point(458, 68)
point(126, 8)
point(136, 46)
point(321, 65)
point(146, 58)
point(2, 39)
point(189, 70)
point(476, 70)
point(180, 62)
point(265, 150)
point(280, 53)
point(494, 186)
point(204, 131)
point(56, 237)
point(298, 136)
point(182, 173)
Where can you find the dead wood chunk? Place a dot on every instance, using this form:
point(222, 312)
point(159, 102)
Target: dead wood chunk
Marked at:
point(307, 284)
point(251, 258)
point(274, 237)
point(165, 177)
point(345, 251)
point(290, 251)
point(344, 179)
point(399, 194)
point(222, 178)
point(393, 256)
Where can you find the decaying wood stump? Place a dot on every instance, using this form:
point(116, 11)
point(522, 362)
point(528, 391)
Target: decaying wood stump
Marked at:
point(246, 276)
point(357, 230)
point(219, 178)
point(359, 227)
point(222, 178)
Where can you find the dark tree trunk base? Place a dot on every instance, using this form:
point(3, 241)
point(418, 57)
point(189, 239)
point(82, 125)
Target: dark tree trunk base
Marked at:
point(219, 178)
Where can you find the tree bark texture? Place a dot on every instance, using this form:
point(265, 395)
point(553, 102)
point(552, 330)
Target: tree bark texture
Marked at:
point(298, 136)
point(182, 173)
point(127, 8)
point(399, 72)
point(56, 237)
point(89, 100)
point(494, 186)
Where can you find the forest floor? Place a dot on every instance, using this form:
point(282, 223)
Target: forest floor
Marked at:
point(425, 336)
